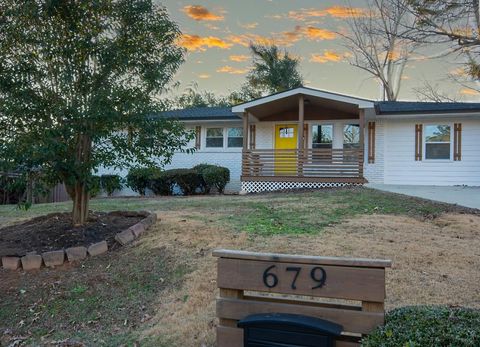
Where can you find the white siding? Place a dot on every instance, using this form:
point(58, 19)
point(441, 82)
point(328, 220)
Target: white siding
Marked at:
point(400, 164)
point(374, 172)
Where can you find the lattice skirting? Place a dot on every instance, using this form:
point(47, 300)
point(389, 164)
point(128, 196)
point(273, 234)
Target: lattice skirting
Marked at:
point(260, 186)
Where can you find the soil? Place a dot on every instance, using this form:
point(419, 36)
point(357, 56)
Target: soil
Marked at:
point(55, 231)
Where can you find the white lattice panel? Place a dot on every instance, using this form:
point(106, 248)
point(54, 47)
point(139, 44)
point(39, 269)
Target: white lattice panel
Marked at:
point(258, 187)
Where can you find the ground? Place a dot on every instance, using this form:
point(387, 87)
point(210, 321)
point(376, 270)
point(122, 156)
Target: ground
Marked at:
point(160, 291)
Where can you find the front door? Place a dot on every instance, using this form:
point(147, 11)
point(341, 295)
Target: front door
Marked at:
point(286, 141)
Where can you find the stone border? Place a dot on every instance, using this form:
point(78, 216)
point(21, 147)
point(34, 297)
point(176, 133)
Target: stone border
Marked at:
point(34, 261)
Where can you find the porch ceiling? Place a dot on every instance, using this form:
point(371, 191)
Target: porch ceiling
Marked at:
point(316, 108)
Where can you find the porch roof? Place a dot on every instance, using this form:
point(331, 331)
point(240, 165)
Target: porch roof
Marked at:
point(275, 103)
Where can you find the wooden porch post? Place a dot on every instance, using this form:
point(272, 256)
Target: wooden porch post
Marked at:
point(301, 140)
point(245, 131)
point(361, 116)
point(301, 121)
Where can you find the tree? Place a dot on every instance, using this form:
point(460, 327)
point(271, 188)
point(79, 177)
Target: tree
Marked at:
point(273, 71)
point(78, 80)
point(377, 45)
point(451, 23)
point(192, 98)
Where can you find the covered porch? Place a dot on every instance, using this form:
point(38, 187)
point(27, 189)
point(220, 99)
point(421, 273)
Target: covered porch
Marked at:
point(303, 137)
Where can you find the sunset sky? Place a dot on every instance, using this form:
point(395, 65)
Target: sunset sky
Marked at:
point(217, 34)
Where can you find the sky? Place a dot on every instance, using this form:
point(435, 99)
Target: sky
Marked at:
point(216, 35)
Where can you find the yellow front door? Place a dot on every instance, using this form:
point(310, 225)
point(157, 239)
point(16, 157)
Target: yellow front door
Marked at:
point(286, 138)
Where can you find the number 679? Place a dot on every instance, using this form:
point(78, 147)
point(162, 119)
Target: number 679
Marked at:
point(317, 274)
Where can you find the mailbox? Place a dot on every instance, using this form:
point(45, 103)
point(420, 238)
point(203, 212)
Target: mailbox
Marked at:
point(288, 330)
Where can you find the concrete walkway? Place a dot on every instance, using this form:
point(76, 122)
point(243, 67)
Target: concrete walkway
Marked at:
point(463, 196)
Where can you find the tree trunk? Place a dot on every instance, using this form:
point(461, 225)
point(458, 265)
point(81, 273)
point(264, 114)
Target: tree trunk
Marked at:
point(80, 203)
point(79, 191)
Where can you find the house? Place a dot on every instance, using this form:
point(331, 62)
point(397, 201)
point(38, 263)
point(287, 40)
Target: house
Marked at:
point(309, 138)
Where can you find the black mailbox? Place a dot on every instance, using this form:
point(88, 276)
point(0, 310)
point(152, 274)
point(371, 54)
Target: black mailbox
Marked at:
point(288, 330)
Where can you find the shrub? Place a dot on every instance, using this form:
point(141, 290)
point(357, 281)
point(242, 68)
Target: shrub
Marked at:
point(216, 176)
point(427, 326)
point(188, 180)
point(200, 168)
point(138, 179)
point(161, 183)
point(111, 183)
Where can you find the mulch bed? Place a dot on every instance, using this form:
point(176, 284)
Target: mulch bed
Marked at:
point(55, 231)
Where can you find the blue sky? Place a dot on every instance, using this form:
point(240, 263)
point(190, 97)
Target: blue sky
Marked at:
point(217, 33)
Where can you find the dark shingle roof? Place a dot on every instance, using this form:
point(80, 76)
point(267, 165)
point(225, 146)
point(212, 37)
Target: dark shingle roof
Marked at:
point(411, 107)
point(201, 113)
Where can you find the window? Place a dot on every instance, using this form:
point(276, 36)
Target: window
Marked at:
point(215, 137)
point(287, 133)
point(351, 136)
point(235, 137)
point(322, 136)
point(437, 141)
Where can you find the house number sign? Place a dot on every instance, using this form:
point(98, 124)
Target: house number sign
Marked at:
point(317, 276)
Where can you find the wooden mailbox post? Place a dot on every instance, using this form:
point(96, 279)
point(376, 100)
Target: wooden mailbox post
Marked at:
point(243, 275)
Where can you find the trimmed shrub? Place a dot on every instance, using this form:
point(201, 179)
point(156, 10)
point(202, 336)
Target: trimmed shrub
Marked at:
point(138, 179)
point(111, 183)
point(216, 176)
point(161, 183)
point(417, 326)
point(188, 180)
point(200, 168)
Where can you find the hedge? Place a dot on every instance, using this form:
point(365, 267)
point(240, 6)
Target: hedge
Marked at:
point(213, 176)
point(417, 326)
point(139, 179)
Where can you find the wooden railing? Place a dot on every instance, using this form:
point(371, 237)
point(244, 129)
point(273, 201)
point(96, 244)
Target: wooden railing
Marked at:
point(316, 162)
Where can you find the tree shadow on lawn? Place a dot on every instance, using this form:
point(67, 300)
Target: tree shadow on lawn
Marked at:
point(102, 301)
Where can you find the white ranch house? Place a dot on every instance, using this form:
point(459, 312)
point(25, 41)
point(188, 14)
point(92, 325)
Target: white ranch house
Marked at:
point(309, 138)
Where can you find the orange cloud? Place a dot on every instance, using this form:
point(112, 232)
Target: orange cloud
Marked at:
point(239, 58)
point(468, 91)
point(334, 11)
point(246, 39)
point(327, 56)
point(199, 43)
point(199, 13)
point(314, 33)
point(232, 70)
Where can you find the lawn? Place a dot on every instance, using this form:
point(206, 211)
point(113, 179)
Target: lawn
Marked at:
point(160, 291)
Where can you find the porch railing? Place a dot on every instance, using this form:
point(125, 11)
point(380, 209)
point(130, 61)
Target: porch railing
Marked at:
point(316, 162)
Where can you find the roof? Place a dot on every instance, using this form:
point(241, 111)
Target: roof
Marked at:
point(201, 113)
point(413, 107)
point(361, 102)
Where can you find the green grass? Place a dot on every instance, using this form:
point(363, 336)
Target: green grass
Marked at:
point(285, 213)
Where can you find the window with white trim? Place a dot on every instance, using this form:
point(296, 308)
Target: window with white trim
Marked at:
point(351, 136)
point(235, 137)
point(214, 138)
point(437, 142)
point(322, 136)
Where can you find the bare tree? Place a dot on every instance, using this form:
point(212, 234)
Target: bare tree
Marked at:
point(453, 24)
point(377, 44)
point(430, 92)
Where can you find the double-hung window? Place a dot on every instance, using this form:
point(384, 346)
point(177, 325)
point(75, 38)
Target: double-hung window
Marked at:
point(214, 138)
point(437, 141)
point(235, 137)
